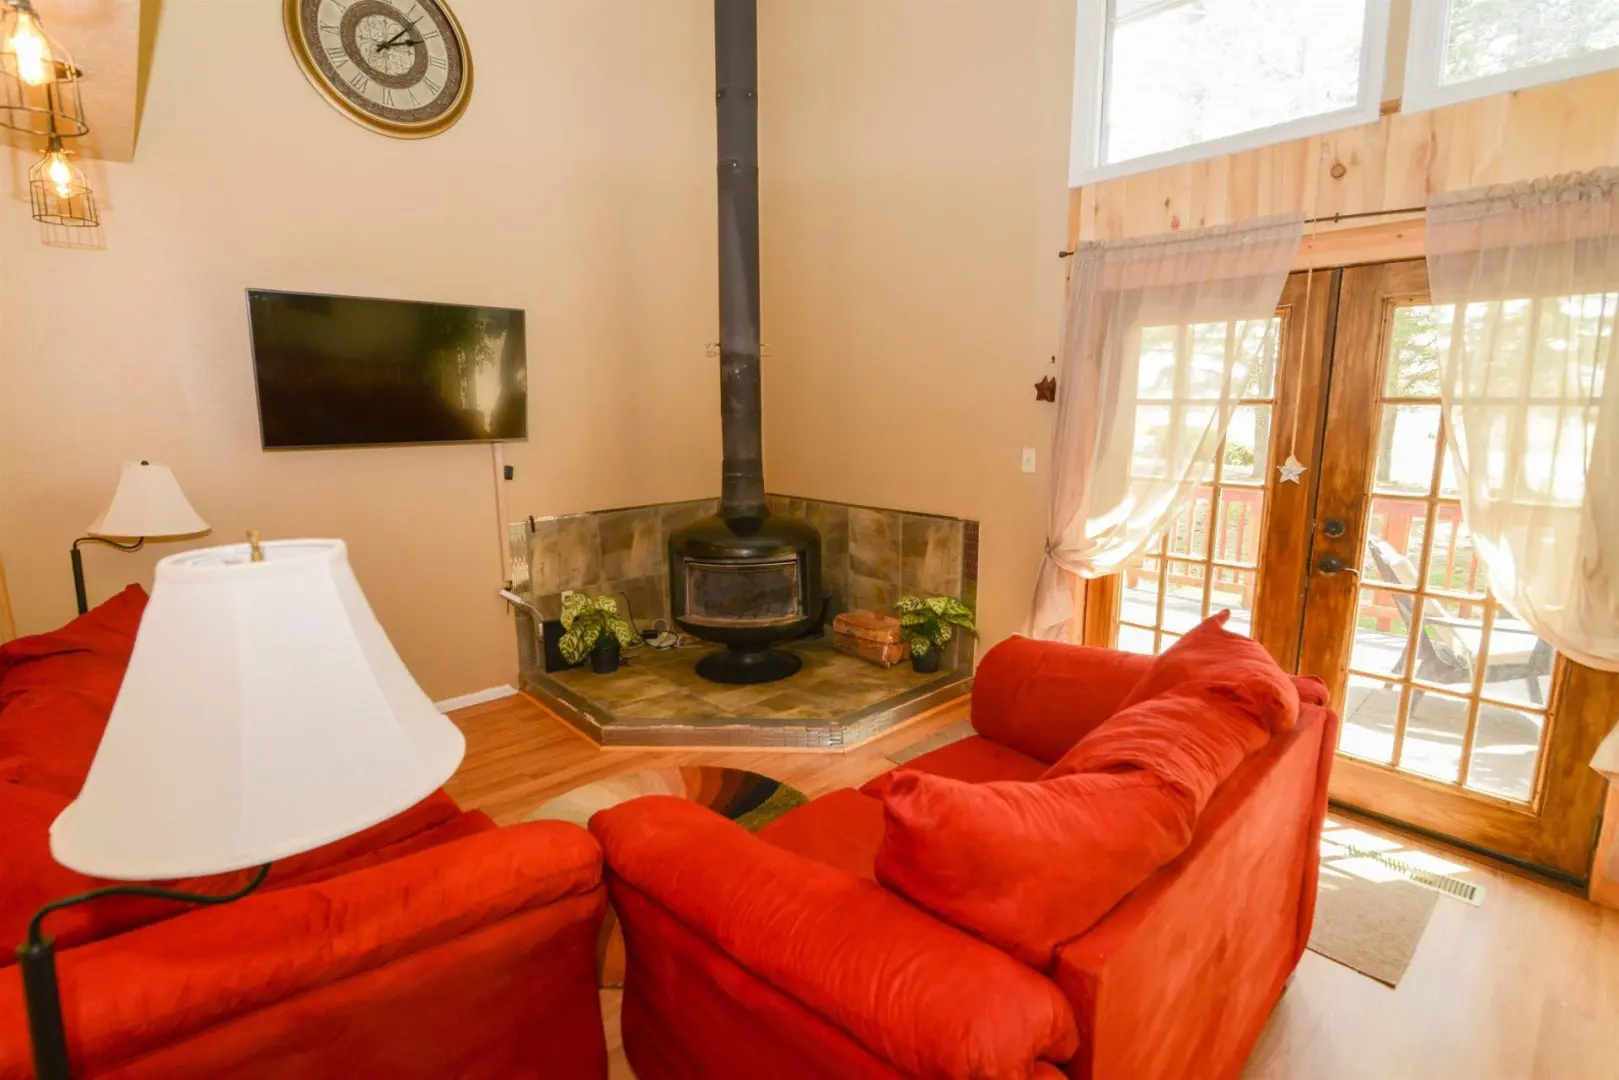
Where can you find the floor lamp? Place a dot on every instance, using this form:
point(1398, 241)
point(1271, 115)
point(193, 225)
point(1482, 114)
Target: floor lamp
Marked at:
point(148, 505)
point(270, 647)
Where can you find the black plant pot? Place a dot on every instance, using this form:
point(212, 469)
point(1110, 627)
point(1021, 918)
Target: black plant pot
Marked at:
point(604, 657)
point(928, 662)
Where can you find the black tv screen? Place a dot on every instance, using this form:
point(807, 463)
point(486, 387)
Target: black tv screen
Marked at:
point(348, 371)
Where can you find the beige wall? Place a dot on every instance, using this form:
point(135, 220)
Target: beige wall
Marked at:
point(914, 199)
point(579, 185)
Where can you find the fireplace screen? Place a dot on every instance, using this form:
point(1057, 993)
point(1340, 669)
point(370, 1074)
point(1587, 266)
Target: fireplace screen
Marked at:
point(743, 593)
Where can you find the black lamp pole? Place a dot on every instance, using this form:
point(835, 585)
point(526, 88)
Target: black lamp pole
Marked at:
point(78, 563)
point(36, 957)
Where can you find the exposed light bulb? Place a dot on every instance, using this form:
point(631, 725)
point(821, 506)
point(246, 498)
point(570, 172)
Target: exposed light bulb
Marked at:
point(59, 173)
point(33, 54)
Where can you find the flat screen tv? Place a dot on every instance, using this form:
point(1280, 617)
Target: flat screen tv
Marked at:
point(348, 371)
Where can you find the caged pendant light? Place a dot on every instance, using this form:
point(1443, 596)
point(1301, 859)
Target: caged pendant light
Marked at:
point(39, 84)
point(58, 191)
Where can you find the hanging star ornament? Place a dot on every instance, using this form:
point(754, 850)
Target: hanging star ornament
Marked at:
point(1292, 470)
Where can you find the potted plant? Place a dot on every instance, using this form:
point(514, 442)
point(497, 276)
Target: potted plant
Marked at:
point(928, 624)
point(594, 628)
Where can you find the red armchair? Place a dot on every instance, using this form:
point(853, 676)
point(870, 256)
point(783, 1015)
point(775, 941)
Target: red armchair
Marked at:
point(431, 945)
point(784, 954)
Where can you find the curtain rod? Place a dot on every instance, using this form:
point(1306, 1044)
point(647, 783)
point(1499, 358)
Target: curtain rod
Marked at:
point(1333, 219)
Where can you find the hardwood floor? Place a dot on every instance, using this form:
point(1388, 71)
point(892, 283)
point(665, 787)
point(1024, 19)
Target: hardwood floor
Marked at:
point(1525, 987)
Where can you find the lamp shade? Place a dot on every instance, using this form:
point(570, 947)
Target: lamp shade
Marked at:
point(148, 502)
point(264, 713)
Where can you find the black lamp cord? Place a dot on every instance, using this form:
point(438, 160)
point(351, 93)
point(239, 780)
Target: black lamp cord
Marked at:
point(37, 962)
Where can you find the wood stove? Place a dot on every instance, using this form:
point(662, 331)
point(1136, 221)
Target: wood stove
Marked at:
point(744, 577)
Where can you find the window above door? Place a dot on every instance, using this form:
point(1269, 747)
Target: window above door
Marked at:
point(1463, 49)
point(1159, 82)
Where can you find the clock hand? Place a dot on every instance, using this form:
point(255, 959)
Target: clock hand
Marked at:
point(402, 32)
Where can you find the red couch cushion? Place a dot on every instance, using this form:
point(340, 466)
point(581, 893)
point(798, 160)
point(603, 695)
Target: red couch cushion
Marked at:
point(841, 829)
point(1231, 666)
point(1041, 697)
point(974, 759)
point(1028, 866)
point(57, 690)
point(1188, 737)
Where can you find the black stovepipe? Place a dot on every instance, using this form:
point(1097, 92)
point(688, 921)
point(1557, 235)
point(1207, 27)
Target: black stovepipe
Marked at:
point(36, 959)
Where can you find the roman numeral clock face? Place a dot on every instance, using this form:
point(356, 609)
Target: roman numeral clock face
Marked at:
point(400, 67)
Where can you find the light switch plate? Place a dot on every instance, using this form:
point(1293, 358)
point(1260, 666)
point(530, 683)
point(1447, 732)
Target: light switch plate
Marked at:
point(1028, 459)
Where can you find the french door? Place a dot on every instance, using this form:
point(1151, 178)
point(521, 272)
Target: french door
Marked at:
point(1457, 719)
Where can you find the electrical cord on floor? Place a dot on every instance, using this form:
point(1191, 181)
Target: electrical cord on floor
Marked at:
point(660, 637)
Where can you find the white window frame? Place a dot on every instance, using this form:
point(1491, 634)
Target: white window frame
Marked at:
point(1090, 77)
point(1425, 65)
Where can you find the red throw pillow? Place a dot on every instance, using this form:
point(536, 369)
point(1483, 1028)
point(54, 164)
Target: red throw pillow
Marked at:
point(1215, 656)
point(1190, 737)
point(1028, 865)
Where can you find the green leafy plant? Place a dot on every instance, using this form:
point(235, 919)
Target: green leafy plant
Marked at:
point(589, 619)
point(930, 622)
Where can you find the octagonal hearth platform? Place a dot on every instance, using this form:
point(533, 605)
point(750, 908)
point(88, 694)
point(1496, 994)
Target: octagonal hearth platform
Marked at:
point(658, 699)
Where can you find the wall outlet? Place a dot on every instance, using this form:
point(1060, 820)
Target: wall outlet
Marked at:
point(1028, 459)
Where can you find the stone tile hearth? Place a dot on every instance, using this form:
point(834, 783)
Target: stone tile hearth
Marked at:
point(657, 699)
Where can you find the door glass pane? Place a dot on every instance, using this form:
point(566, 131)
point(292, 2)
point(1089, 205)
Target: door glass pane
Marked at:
point(1246, 457)
point(1183, 595)
point(1518, 664)
point(1234, 590)
point(1382, 632)
point(1453, 566)
point(1414, 350)
point(1505, 749)
point(1136, 639)
point(1433, 735)
point(1189, 529)
point(1138, 602)
point(1370, 708)
point(1241, 519)
point(1449, 647)
point(1408, 437)
point(1394, 535)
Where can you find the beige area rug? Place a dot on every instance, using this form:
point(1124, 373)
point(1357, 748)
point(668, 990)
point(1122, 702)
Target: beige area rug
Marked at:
point(1370, 924)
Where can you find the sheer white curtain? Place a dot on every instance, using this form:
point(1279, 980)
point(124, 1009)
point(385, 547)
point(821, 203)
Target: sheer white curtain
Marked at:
point(1159, 338)
point(1531, 272)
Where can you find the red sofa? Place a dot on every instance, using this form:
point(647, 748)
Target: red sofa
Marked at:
point(432, 945)
point(1112, 880)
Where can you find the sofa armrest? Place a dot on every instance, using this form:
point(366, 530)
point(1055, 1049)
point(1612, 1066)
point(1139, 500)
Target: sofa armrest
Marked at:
point(1042, 697)
point(924, 996)
point(128, 995)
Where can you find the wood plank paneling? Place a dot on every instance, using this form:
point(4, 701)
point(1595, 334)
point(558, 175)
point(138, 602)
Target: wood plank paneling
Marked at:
point(1396, 162)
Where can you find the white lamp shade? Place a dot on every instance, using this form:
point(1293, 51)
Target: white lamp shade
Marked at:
point(264, 713)
point(148, 502)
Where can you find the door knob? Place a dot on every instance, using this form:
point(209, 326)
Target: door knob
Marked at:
point(1332, 564)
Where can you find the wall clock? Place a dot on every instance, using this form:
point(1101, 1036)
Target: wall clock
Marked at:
point(400, 67)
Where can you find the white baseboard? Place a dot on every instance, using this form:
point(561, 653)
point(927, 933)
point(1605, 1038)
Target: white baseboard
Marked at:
point(477, 697)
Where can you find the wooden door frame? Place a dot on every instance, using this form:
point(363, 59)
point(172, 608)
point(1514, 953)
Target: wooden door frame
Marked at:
point(1556, 833)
